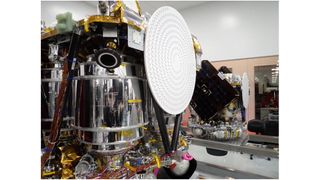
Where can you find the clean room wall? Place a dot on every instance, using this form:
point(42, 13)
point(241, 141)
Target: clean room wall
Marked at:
point(233, 30)
point(226, 30)
point(79, 10)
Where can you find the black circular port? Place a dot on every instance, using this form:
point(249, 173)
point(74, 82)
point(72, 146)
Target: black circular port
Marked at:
point(108, 58)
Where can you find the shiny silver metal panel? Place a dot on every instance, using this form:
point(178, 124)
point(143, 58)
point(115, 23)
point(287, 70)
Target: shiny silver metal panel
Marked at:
point(50, 85)
point(110, 107)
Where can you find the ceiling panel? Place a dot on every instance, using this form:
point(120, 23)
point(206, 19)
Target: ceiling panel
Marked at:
point(151, 6)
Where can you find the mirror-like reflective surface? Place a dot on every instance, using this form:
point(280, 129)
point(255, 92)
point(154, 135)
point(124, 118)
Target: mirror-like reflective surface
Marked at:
point(109, 107)
point(50, 84)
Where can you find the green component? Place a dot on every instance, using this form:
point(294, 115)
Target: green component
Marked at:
point(65, 22)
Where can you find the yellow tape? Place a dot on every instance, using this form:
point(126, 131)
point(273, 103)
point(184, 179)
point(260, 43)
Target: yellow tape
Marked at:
point(134, 100)
point(127, 133)
point(237, 133)
point(49, 173)
point(86, 25)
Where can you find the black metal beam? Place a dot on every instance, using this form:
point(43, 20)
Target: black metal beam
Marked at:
point(162, 126)
point(175, 135)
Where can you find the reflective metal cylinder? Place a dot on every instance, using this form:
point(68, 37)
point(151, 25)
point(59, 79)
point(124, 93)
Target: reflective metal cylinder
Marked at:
point(50, 84)
point(110, 107)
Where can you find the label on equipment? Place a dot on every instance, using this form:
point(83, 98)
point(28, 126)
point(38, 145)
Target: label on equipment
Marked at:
point(134, 101)
point(135, 38)
point(222, 77)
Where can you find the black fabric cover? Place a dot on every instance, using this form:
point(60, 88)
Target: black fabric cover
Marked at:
point(212, 92)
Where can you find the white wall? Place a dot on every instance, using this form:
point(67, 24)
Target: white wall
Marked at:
point(226, 30)
point(232, 30)
point(79, 10)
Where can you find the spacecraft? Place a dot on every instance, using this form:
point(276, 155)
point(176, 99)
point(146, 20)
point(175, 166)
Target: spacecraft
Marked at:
point(114, 87)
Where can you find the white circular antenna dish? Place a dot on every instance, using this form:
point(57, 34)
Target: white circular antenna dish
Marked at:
point(169, 60)
point(245, 90)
